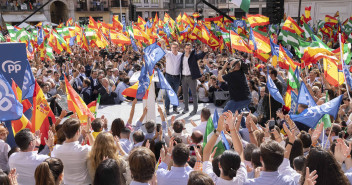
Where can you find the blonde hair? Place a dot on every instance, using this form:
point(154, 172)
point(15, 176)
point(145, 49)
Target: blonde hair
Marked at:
point(104, 146)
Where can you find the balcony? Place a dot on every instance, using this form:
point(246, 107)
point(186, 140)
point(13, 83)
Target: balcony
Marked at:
point(24, 7)
point(116, 3)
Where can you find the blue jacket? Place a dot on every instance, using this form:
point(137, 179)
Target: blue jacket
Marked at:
point(193, 63)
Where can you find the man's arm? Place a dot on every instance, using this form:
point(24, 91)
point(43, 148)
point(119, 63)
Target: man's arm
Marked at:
point(209, 146)
point(129, 121)
point(222, 71)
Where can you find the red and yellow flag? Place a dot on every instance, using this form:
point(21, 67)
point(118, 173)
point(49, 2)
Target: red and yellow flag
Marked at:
point(41, 112)
point(119, 38)
point(332, 74)
point(257, 20)
point(331, 20)
point(262, 42)
point(291, 26)
point(76, 104)
point(237, 43)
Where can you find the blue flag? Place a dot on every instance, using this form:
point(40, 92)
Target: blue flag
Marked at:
point(274, 48)
point(274, 92)
point(10, 108)
point(170, 92)
point(167, 30)
point(30, 47)
point(312, 115)
point(123, 21)
point(28, 84)
point(13, 62)
point(251, 38)
point(347, 76)
point(152, 54)
point(294, 105)
point(224, 141)
point(222, 135)
point(143, 83)
point(40, 36)
point(134, 46)
point(72, 41)
point(288, 52)
point(239, 23)
point(304, 96)
point(215, 118)
point(297, 73)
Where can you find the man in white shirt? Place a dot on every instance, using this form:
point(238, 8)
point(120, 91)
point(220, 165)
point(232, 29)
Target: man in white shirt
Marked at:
point(73, 155)
point(179, 172)
point(204, 117)
point(27, 160)
point(172, 68)
point(4, 150)
point(120, 88)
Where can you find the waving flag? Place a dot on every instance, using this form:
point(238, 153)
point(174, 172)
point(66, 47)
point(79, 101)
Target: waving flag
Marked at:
point(257, 20)
point(330, 20)
point(40, 37)
point(152, 54)
point(243, 4)
point(274, 48)
point(312, 115)
point(291, 26)
point(274, 92)
point(304, 96)
point(28, 84)
point(209, 131)
point(144, 82)
point(332, 74)
point(10, 107)
point(238, 43)
point(170, 92)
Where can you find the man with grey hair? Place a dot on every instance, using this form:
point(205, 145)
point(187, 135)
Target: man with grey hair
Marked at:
point(107, 93)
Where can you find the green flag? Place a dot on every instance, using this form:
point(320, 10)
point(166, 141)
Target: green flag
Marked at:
point(347, 53)
point(307, 31)
point(22, 35)
point(97, 106)
point(292, 79)
point(326, 117)
point(209, 131)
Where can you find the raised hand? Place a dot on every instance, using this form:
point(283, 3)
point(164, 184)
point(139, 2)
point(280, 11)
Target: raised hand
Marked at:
point(310, 178)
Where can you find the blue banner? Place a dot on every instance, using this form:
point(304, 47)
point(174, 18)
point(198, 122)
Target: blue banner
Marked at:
point(274, 92)
point(274, 48)
point(304, 96)
point(13, 62)
point(152, 54)
point(170, 92)
point(10, 108)
point(28, 84)
point(143, 83)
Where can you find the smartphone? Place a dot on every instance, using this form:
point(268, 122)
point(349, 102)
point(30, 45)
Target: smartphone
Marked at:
point(50, 121)
point(271, 124)
point(158, 126)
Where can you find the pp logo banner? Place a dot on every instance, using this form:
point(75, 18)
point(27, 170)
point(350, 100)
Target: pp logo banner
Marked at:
point(13, 62)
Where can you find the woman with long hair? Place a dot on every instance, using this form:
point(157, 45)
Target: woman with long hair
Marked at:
point(106, 173)
point(49, 172)
point(105, 147)
point(328, 169)
point(116, 127)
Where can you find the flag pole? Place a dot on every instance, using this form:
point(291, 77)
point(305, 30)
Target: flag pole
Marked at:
point(343, 66)
point(269, 106)
point(326, 143)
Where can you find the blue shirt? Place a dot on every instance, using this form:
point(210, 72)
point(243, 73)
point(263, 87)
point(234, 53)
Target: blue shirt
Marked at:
point(119, 89)
point(176, 176)
point(271, 178)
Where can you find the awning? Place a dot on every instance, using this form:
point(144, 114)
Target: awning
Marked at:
point(19, 18)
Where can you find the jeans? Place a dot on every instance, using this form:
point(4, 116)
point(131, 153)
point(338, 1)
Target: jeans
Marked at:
point(189, 83)
point(233, 105)
point(174, 81)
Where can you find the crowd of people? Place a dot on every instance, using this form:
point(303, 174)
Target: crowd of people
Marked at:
point(166, 153)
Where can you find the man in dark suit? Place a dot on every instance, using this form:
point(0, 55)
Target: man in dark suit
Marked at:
point(190, 73)
point(107, 95)
point(94, 84)
point(86, 91)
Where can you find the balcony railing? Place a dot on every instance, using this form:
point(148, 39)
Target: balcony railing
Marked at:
point(24, 7)
point(117, 4)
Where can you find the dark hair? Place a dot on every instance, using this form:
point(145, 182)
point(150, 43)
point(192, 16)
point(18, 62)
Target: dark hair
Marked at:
point(71, 127)
point(23, 138)
point(255, 158)
point(150, 126)
point(126, 80)
point(298, 162)
point(306, 139)
point(87, 81)
point(192, 161)
point(180, 154)
point(96, 124)
point(48, 171)
point(197, 139)
point(205, 113)
point(107, 173)
point(4, 179)
point(199, 178)
point(13, 150)
point(178, 126)
point(158, 146)
point(116, 127)
point(60, 134)
point(272, 154)
point(138, 136)
point(328, 169)
point(215, 164)
point(125, 132)
point(273, 72)
point(152, 145)
point(297, 150)
point(248, 151)
point(230, 162)
point(142, 164)
point(336, 129)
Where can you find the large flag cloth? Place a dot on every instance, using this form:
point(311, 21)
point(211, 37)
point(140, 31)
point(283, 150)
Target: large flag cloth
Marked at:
point(332, 73)
point(76, 104)
point(28, 84)
point(326, 118)
point(292, 79)
point(170, 92)
point(304, 96)
point(144, 83)
point(257, 20)
point(10, 107)
point(41, 113)
point(209, 131)
point(312, 115)
point(291, 26)
point(238, 43)
point(243, 4)
point(152, 54)
point(274, 92)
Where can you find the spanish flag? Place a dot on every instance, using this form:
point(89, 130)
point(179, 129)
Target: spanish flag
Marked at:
point(291, 26)
point(132, 90)
point(116, 23)
point(84, 43)
point(41, 113)
point(262, 43)
point(76, 104)
point(237, 43)
point(257, 20)
point(313, 54)
point(330, 20)
point(92, 24)
point(119, 38)
point(332, 74)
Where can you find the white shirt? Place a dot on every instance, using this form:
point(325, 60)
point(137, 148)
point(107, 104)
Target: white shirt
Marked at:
point(126, 145)
point(201, 127)
point(173, 63)
point(201, 93)
point(241, 175)
point(25, 164)
point(138, 183)
point(185, 67)
point(4, 160)
point(286, 169)
point(176, 176)
point(271, 178)
point(74, 157)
